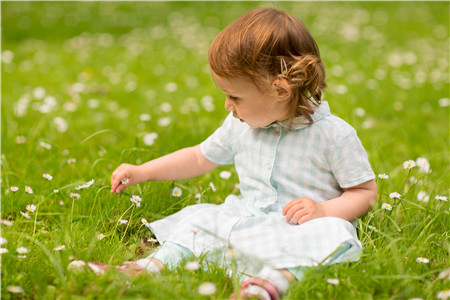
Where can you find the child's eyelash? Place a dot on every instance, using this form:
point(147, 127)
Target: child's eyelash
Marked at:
point(233, 98)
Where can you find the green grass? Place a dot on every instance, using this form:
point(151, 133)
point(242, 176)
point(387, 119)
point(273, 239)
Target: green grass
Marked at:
point(388, 58)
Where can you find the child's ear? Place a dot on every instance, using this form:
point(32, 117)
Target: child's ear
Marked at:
point(282, 88)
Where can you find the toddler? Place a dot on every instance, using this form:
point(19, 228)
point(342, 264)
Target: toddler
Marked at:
point(304, 175)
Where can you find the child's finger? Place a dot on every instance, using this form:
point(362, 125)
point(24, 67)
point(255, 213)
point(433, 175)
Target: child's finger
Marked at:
point(288, 206)
point(293, 210)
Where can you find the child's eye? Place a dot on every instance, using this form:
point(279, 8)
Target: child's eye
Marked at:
point(233, 98)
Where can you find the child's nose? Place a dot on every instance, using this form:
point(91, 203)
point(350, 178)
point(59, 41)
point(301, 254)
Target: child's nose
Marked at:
point(228, 105)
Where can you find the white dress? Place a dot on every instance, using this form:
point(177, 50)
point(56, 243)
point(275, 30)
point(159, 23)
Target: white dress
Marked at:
point(276, 165)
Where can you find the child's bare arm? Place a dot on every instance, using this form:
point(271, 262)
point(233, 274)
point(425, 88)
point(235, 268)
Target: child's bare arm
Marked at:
point(182, 164)
point(352, 204)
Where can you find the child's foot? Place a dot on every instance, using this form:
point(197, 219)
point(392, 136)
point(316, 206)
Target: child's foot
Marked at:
point(128, 267)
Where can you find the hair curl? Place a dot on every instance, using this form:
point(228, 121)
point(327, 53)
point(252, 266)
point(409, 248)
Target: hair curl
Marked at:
point(264, 45)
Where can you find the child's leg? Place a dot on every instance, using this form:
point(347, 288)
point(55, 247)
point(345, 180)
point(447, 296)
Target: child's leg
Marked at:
point(168, 255)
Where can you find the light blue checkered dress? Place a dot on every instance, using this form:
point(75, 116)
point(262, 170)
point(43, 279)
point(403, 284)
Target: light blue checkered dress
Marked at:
point(276, 165)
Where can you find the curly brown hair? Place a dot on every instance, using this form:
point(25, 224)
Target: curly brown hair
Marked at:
point(266, 44)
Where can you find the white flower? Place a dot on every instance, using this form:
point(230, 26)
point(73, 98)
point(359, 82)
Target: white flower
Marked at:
point(445, 274)
point(59, 248)
point(423, 196)
point(14, 188)
point(164, 122)
point(125, 181)
point(22, 250)
point(61, 202)
point(192, 265)
point(423, 164)
point(86, 185)
point(76, 265)
point(71, 161)
point(136, 200)
point(386, 206)
point(3, 240)
point(61, 124)
point(445, 294)
point(149, 138)
point(409, 164)
point(74, 195)
point(144, 221)
point(207, 288)
point(6, 222)
point(101, 236)
point(333, 281)
point(394, 195)
point(26, 215)
point(413, 180)
point(31, 207)
point(45, 145)
point(176, 192)
point(198, 197)
point(422, 260)
point(211, 185)
point(444, 102)
point(123, 221)
point(171, 87)
point(152, 240)
point(3, 250)
point(145, 117)
point(442, 198)
point(28, 189)
point(55, 191)
point(15, 289)
point(383, 176)
point(20, 139)
point(225, 174)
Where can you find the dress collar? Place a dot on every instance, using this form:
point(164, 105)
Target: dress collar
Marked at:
point(321, 111)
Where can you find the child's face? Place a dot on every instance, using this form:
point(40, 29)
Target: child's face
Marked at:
point(249, 104)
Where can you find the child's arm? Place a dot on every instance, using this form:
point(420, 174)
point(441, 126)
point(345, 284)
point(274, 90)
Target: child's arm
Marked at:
point(353, 203)
point(182, 164)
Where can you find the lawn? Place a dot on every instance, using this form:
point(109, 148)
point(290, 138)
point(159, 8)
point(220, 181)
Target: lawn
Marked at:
point(89, 85)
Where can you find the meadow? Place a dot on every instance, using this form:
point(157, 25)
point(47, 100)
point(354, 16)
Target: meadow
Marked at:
point(86, 86)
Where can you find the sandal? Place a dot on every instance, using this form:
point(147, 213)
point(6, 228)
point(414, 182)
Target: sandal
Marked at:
point(271, 289)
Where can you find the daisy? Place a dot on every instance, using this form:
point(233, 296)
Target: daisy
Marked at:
point(3, 240)
point(125, 181)
point(14, 188)
point(144, 221)
point(192, 265)
point(207, 288)
point(423, 196)
point(445, 294)
point(59, 248)
point(3, 250)
point(394, 195)
point(164, 122)
point(71, 161)
point(409, 164)
point(47, 176)
point(74, 195)
point(26, 215)
point(31, 207)
point(45, 145)
point(386, 206)
point(211, 185)
point(15, 289)
point(28, 190)
point(422, 260)
point(86, 185)
point(383, 176)
point(61, 203)
point(176, 192)
point(152, 240)
point(442, 198)
point(444, 274)
point(136, 200)
point(22, 250)
point(149, 138)
point(6, 222)
point(123, 221)
point(225, 174)
point(55, 191)
point(101, 236)
point(423, 164)
point(333, 281)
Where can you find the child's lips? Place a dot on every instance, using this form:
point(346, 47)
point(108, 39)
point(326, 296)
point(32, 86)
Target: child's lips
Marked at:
point(237, 117)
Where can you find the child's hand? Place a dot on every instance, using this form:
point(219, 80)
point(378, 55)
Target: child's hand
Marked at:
point(301, 210)
point(124, 176)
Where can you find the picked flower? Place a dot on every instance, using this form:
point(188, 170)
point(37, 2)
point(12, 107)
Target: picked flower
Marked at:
point(409, 164)
point(47, 176)
point(207, 288)
point(14, 188)
point(225, 174)
point(192, 265)
point(26, 215)
point(386, 206)
point(15, 289)
point(176, 192)
point(125, 181)
point(211, 185)
point(74, 195)
point(422, 260)
point(28, 190)
point(383, 176)
point(423, 196)
point(31, 207)
point(123, 221)
point(394, 195)
point(101, 236)
point(3, 251)
point(333, 281)
point(442, 198)
point(59, 248)
point(136, 200)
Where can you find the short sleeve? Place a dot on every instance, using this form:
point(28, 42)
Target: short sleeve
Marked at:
point(218, 146)
point(349, 163)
